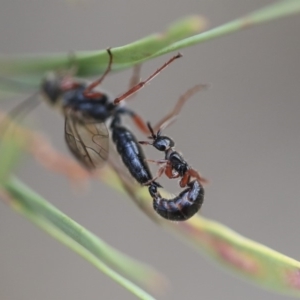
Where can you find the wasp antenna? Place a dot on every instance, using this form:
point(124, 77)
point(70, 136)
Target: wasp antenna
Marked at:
point(145, 143)
point(167, 123)
point(158, 132)
point(153, 135)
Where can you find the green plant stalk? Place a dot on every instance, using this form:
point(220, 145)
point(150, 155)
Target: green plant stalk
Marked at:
point(140, 273)
point(247, 259)
point(267, 14)
point(180, 35)
point(18, 205)
point(95, 62)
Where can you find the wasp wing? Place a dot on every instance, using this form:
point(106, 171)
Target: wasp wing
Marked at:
point(88, 140)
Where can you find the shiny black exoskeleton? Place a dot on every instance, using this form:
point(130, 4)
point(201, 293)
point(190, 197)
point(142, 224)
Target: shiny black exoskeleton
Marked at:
point(87, 117)
point(174, 165)
point(166, 144)
point(176, 161)
point(71, 95)
point(190, 200)
point(131, 152)
point(86, 110)
point(86, 134)
point(183, 206)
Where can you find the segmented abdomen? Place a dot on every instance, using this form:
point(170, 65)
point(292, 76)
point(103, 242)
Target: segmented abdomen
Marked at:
point(183, 206)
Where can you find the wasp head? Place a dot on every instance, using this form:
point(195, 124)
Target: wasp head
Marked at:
point(160, 142)
point(52, 87)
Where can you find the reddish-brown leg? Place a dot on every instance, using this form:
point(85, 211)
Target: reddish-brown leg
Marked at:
point(167, 119)
point(169, 172)
point(193, 173)
point(137, 119)
point(160, 171)
point(89, 90)
point(158, 162)
point(141, 84)
point(139, 123)
point(185, 180)
point(145, 143)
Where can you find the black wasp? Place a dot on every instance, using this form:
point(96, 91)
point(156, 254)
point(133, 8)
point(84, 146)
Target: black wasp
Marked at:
point(86, 110)
point(189, 201)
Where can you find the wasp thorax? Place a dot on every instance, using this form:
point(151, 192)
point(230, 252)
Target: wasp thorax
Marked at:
point(52, 87)
point(163, 143)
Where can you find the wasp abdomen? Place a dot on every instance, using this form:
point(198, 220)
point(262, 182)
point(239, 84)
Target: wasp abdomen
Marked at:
point(131, 153)
point(183, 206)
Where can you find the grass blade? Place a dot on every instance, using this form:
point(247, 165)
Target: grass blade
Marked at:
point(247, 259)
point(266, 14)
point(16, 201)
point(56, 221)
point(95, 62)
point(178, 36)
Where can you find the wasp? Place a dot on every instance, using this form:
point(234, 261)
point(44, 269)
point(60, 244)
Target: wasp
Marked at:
point(189, 201)
point(87, 109)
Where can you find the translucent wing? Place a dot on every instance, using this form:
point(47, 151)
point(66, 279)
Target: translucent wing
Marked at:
point(88, 140)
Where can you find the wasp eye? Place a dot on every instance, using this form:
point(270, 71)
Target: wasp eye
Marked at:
point(162, 148)
point(162, 143)
point(51, 87)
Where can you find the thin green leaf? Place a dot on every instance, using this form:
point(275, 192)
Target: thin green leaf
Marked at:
point(25, 209)
point(246, 258)
point(178, 36)
point(40, 208)
point(95, 62)
point(269, 13)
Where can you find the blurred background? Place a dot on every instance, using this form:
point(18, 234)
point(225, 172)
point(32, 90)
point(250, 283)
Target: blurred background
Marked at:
point(242, 134)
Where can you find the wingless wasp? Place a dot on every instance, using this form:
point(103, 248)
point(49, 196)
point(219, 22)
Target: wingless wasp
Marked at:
point(189, 201)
